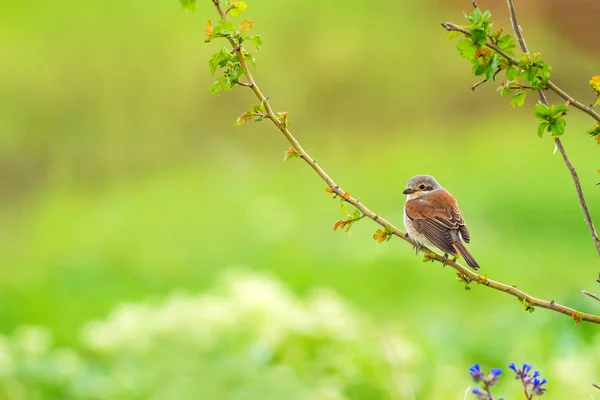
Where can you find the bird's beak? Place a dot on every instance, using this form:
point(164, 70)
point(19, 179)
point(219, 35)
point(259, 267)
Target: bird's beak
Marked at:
point(408, 191)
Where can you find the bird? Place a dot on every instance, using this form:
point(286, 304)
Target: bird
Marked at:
point(432, 217)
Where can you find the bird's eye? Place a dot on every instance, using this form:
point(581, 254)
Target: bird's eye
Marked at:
point(422, 187)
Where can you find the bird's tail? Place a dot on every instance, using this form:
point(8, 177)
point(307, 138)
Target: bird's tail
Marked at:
point(460, 247)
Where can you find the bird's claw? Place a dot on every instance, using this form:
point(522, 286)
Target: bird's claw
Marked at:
point(444, 259)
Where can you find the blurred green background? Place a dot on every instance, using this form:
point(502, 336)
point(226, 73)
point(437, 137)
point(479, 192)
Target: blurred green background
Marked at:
point(124, 181)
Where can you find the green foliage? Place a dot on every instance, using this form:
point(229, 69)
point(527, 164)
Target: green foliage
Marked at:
point(552, 118)
point(351, 219)
point(188, 5)
point(231, 61)
point(518, 99)
point(256, 111)
point(533, 72)
point(236, 8)
point(249, 329)
point(595, 132)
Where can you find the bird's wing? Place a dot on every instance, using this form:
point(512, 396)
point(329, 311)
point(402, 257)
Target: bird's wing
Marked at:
point(437, 217)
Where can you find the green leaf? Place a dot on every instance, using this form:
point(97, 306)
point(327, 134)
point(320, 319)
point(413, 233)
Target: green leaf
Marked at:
point(512, 72)
point(218, 86)
point(558, 127)
point(558, 110)
point(479, 36)
point(237, 7)
point(541, 127)
point(518, 99)
point(220, 60)
point(388, 229)
point(224, 28)
point(256, 40)
point(505, 89)
point(249, 57)
point(453, 34)
point(467, 49)
point(595, 130)
point(541, 111)
point(188, 5)
point(506, 42)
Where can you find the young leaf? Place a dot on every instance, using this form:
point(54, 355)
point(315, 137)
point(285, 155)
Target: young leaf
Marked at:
point(467, 49)
point(558, 127)
point(453, 34)
point(518, 99)
point(380, 235)
point(558, 110)
point(542, 111)
point(245, 25)
point(290, 153)
point(541, 127)
point(188, 5)
point(237, 7)
point(512, 72)
point(256, 40)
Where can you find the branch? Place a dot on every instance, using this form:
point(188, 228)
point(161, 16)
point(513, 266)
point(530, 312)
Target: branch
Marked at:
point(464, 273)
point(582, 203)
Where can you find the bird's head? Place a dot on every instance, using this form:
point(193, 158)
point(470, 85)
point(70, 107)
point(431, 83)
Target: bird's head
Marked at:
point(420, 185)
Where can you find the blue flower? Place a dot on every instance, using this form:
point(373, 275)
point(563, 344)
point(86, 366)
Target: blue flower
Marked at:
point(537, 387)
point(492, 378)
point(476, 373)
point(531, 383)
point(480, 394)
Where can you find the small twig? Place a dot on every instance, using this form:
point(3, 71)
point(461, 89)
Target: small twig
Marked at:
point(472, 275)
point(595, 385)
point(481, 82)
point(593, 296)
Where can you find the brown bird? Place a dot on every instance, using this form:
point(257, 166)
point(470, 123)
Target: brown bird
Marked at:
point(432, 217)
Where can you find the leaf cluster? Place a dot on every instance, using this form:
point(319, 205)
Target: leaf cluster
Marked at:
point(552, 118)
point(530, 73)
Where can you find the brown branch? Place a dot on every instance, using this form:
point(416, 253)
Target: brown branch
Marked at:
point(464, 271)
point(517, 29)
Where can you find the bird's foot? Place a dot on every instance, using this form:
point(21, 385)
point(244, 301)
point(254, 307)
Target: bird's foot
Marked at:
point(444, 259)
point(417, 247)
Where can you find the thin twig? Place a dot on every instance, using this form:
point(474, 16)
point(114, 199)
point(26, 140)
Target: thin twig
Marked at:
point(596, 385)
point(593, 296)
point(473, 276)
point(481, 82)
point(582, 203)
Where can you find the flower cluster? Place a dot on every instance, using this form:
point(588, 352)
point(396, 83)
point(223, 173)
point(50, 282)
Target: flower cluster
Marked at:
point(532, 383)
point(484, 393)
